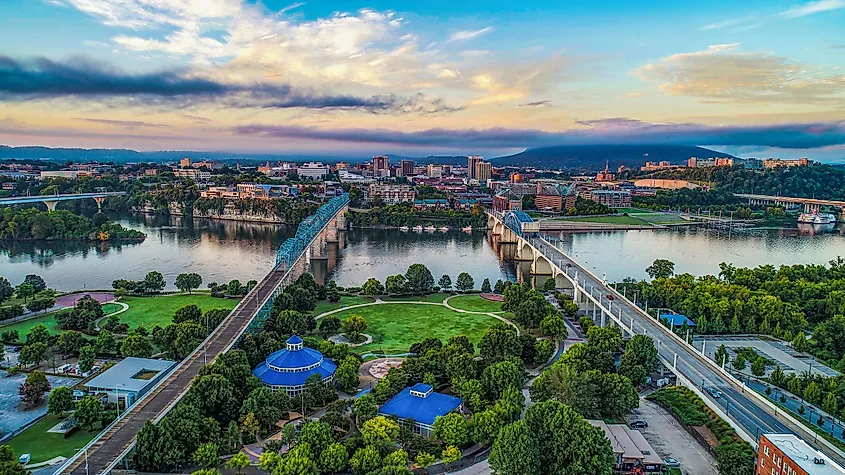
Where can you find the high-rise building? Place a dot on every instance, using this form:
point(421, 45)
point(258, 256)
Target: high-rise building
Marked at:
point(407, 167)
point(472, 160)
point(483, 171)
point(380, 162)
point(435, 171)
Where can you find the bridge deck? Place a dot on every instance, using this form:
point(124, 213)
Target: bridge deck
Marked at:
point(103, 454)
point(67, 197)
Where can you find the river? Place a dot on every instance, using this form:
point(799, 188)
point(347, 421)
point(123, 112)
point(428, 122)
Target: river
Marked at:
point(224, 250)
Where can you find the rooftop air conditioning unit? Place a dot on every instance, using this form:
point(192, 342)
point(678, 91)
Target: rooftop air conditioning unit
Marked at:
point(818, 461)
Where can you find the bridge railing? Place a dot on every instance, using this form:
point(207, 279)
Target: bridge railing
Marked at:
point(308, 229)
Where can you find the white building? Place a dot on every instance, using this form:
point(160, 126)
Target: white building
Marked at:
point(315, 170)
point(128, 380)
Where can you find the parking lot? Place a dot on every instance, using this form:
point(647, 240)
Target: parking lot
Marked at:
point(670, 439)
point(790, 361)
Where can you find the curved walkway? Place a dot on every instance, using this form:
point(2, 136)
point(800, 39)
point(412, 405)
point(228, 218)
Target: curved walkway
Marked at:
point(123, 307)
point(444, 303)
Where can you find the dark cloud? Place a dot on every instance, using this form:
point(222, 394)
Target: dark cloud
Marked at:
point(536, 104)
point(80, 78)
point(602, 131)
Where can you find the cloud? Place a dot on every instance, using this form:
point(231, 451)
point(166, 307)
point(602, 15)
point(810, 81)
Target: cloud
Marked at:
point(126, 124)
point(723, 73)
point(469, 34)
point(810, 8)
point(537, 104)
point(42, 78)
point(599, 131)
point(736, 24)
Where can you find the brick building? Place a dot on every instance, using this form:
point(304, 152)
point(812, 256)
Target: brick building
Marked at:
point(555, 197)
point(786, 454)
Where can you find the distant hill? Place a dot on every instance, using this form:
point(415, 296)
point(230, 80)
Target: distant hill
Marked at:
point(594, 157)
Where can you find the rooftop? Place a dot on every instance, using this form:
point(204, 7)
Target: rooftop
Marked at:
point(803, 455)
point(293, 365)
point(628, 442)
point(421, 404)
point(130, 374)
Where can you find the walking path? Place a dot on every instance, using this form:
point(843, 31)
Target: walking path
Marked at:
point(123, 308)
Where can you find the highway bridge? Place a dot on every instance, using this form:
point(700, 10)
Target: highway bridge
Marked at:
point(52, 200)
point(114, 443)
point(810, 204)
point(750, 413)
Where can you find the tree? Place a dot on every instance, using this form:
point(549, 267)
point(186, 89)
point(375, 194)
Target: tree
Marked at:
point(207, 455)
point(499, 287)
point(32, 353)
point(739, 362)
point(233, 435)
point(777, 377)
point(37, 283)
point(830, 404)
point(106, 343)
point(451, 454)
point(372, 287)
point(799, 343)
point(136, 346)
point(6, 290)
point(397, 458)
point(499, 342)
point(661, 269)
point(70, 342)
point(60, 401)
point(464, 282)
point(445, 283)
point(424, 459)
point(364, 408)
point(25, 291)
point(318, 436)
point(485, 286)
point(250, 425)
point(516, 452)
point(154, 282)
point(330, 325)
point(544, 350)
point(89, 413)
point(812, 393)
point(419, 279)
point(39, 304)
point(365, 460)
point(38, 334)
point(499, 376)
point(379, 430)
point(83, 315)
point(10, 336)
point(554, 326)
point(549, 285)
point(299, 461)
point(234, 287)
point(758, 367)
point(346, 375)
point(188, 313)
point(188, 282)
point(452, 429)
point(396, 284)
point(355, 325)
point(86, 358)
point(721, 355)
point(238, 462)
point(334, 459)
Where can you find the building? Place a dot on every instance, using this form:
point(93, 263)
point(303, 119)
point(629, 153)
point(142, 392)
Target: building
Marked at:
point(185, 162)
point(420, 405)
point(472, 160)
point(465, 203)
point(434, 171)
point(777, 162)
point(555, 197)
point(380, 162)
point(313, 170)
point(483, 171)
point(606, 174)
point(150, 172)
point(353, 178)
point(664, 184)
point(289, 368)
point(127, 380)
point(391, 193)
point(786, 454)
point(611, 198)
point(633, 453)
point(70, 174)
point(193, 173)
point(661, 165)
point(406, 167)
point(695, 162)
point(431, 203)
point(505, 200)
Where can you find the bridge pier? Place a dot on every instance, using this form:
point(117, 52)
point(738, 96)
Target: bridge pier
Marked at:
point(99, 200)
point(51, 204)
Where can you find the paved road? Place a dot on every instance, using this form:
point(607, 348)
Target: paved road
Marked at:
point(737, 404)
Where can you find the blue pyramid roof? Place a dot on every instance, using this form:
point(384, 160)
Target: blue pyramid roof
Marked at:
point(421, 409)
point(294, 340)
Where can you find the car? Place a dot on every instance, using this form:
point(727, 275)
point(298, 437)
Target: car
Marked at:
point(639, 424)
point(714, 392)
point(609, 297)
point(672, 463)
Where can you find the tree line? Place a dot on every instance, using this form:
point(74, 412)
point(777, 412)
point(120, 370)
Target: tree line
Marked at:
point(31, 224)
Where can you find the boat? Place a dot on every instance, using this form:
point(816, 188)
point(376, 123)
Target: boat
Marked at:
point(430, 228)
point(467, 229)
point(817, 218)
point(403, 228)
point(443, 228)
point(417, 228)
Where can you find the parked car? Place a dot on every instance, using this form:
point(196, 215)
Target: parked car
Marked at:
point(609, 297)
point(672, 463)
point(714, 392)
point(639, 424)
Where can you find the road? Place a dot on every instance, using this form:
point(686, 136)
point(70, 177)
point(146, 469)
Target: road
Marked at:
point(735, 403)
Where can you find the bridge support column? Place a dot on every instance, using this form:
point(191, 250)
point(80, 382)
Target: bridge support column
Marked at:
point(51, 204)
point(99, 200)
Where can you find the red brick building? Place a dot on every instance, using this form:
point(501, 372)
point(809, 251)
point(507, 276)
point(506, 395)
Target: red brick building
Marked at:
point(786, 454)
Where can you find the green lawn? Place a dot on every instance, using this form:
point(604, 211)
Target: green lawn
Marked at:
point(475, 303)
point(437, 298)
point(49, 319)
point(43, 445)
point(626, 220)
point(159, 310)
point(633, 210)
point(324, 305)
point(394, 327)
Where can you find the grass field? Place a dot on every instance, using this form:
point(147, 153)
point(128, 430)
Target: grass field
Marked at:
point(624, 220)
point(475, 303)
point(437, 298)
point(324, 305)
point(48, 319)
point(394, 327)
point(43, 445)
point(151, 311)
point(633, 210)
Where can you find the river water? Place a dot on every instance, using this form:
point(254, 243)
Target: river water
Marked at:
point(224, 250)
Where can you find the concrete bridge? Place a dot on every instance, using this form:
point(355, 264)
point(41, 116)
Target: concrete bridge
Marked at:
point(115, 442)
point(52, 200)
point(810, 204)
point(750, 413)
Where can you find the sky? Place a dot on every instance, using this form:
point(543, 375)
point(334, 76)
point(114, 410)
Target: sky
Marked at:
point(358, 77)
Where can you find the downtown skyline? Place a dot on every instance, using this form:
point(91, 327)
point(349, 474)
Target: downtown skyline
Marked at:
point(349, 78)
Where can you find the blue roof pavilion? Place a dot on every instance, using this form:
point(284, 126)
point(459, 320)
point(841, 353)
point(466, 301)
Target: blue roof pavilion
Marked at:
point(420, 404)
point(290, 367)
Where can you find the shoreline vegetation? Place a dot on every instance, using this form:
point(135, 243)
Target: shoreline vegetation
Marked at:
point(29, 224)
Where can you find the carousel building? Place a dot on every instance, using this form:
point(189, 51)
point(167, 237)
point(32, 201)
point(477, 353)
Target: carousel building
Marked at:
point(289, 368)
